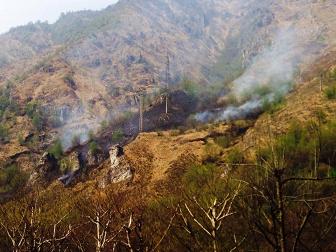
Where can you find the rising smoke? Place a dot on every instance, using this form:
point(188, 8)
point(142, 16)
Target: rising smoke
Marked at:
point(271, 71)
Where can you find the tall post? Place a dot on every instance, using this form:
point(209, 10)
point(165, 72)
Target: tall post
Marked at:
point(167, 81)
point(140, 113)
point(244, 59)
point(321, 82)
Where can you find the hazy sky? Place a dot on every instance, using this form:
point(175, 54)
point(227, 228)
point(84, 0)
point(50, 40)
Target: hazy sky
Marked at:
point(19, 12)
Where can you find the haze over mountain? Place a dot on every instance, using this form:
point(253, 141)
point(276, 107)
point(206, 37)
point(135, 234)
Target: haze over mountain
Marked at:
point(122, 49)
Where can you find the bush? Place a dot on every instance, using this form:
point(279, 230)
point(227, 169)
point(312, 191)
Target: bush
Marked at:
point(75, 141)
point(93, 147)
point(12, 179)
point(213, 153)
point(4, 102)
point(56, 150)
point(65, 165)
point(4, 134)
point(272, 106)
point(117, 135)
point(104, 124)
point(297, 147)
point(31, 108)
point(190, 87)
point(37, 121)
point(203, 180)
point(223, 141)
point(330, 93)
point(235, 157)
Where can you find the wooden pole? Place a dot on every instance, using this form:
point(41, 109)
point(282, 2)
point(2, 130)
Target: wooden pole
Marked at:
point(167, 81)
point(140, 113)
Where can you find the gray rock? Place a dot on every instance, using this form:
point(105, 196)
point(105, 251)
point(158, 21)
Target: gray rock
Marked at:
point(120, 169)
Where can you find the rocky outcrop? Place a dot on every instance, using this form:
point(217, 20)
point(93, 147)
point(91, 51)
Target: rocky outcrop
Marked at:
point(119, 169)
point(46, 164)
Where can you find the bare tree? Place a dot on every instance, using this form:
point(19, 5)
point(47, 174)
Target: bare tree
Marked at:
point(30, 229)
point(103, 223)
point(211, 215)
point(275, 193)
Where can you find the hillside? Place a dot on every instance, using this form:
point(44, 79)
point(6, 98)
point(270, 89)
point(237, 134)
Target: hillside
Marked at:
point(161, 177)
point(89, 67)
point(123, 55)
point(171, 125)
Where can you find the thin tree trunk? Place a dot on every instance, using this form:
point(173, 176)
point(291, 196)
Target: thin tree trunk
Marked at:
point(279, 195)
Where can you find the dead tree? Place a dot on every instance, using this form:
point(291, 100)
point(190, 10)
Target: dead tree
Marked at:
point(214, 212)
point(133, 232)
point(268, 200)
point(26, 229)
point(15, 228)
point(103, 221)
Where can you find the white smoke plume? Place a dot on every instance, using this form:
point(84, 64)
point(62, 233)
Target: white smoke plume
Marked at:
point(274, 67)
point(272, 71)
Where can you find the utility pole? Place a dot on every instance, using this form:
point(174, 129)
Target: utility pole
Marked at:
point(167, 81)
point(244, 59)
point(321, 82)
point(141, 108)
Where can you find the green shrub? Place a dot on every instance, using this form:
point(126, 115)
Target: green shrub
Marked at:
point(117, 135)
point(330, 93)
point(190, 87)
point(66, 165)
point(104, 124)
point(235, 157)
point(223, 141)
point(297, 147)
point(4, 134)
point(31, 108)
point(272, 106)
point(56, 150)
point(213, 153)
point(37, 121)
point(328, 143)
point(12, 178)
point(4, 102)
point(75, 141)
point(93, 147)
point(203, 180)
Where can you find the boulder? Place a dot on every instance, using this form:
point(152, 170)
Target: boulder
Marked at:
point(120, 169)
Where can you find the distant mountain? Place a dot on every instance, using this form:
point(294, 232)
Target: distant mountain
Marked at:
point(110, 55)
